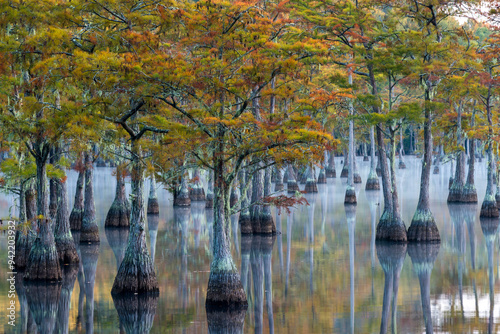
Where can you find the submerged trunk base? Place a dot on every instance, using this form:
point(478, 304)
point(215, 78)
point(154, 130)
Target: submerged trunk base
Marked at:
point(423, 227)
point(372, 183)
point(153, 206)
point(209, 201)
point(197, 194)
point(357, 177)
point(391, 230)
point(279, 186)
point(245, 224)
point(90, 235)
point(489, 209)
point(366, 158)
point(118, 215)
point(344, 172)
point(402, 165)
point(267, 225)
point(436, 170)
point(350, 196)
point(292, 187)
point(330, 173)
point(43, 261)
point(455, 195)
point(311, 187)
point(66, 251)
point(136, 274)
point(469, 194)
point(322, 177)
point(75, 219)
point(225, 290)
point(182, 201)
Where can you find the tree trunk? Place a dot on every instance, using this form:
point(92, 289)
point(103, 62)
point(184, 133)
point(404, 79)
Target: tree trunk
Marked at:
point(182, 198)
point(279, 185)
point(26, 235)
point(291, 184)
point(76, 216)
point(224, 284)
point(244, 219)
point(311, 185)
point(423, 227)
point(209, 199)
point(470, 194)
point(350, 192)
point(267, 225)
point(90, 231)
point(64, 240)
point(197, 192)
point(457, 188)
point(372, 183)
point(153, 207)
point(257, 194)
point(136, 273)
point(119, 212)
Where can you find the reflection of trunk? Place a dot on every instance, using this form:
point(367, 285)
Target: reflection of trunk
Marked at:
point(373, 201)
point(226, 320)
point(289, 222)
point(42, 300)
point(469, 214)
point(268, 280)
point(68, 283)
point(197, 212)
point(64, 240)
point(153, 221)
point(489, 227)
point(136, 273)
point(90, 230)
point(258, 280)
point(76, 216)
point(423, 256)
point(423, 227)
point(136, 312)
point(26, 322)
point(350, 212)
point(117, 239)
point(280, 243)
point(90, 255)
point(391, 257)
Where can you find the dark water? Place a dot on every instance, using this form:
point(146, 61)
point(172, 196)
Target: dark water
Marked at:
point(324, 273)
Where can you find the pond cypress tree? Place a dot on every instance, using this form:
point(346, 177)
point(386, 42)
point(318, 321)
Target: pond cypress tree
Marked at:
point(119, 212)
point(89, 232)
point(64, 240)
point(76, 216)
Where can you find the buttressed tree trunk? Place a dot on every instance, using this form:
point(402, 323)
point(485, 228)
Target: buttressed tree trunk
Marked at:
point(197, 192)
point(27, 234)
point(322, 171)
point(330, 170)
point(267, 225)
point(469, 194)
point(311, 186)
point(423, 227)
point(372, 183)
point(350, 192)
point(291, 184)
point(182, 198)
point(224, 284)
point(136, 273)
point(64, 240)
point(457, 188)
point(153, 207)
point(76, 216)
point(89, 232)
point(279, 185)
point(119, 213)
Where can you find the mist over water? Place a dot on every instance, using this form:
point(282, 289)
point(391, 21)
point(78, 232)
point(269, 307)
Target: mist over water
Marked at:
point(323, 273)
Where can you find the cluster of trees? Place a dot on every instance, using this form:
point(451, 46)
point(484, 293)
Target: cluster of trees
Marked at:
point(243, 90)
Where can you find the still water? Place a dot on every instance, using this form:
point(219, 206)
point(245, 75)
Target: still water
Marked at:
point(324, 273)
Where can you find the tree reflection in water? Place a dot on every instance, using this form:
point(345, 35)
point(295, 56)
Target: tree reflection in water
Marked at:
point(489, 226)
point(391, 257)
point(136, 312)
point(422, 257)
point(89, 256)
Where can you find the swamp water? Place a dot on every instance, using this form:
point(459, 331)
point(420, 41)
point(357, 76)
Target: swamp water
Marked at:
point(324, 273)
